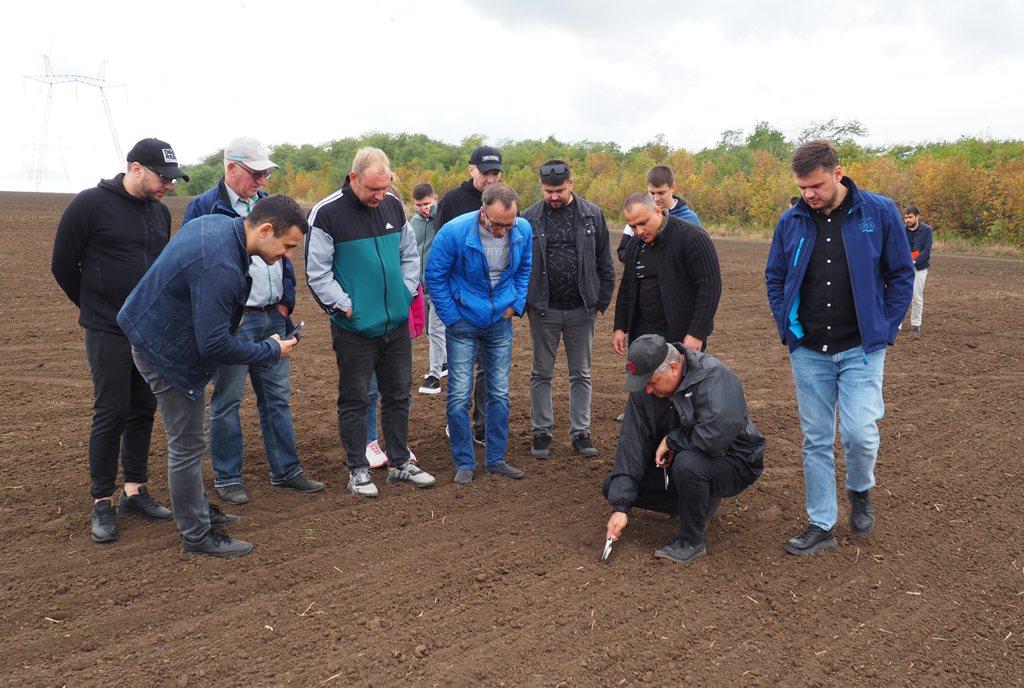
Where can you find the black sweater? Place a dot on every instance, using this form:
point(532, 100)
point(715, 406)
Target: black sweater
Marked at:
point(689, 278)
point(106, 240)
point(463, 199)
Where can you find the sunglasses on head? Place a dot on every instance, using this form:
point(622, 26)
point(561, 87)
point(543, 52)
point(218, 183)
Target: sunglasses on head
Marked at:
point(554, 169)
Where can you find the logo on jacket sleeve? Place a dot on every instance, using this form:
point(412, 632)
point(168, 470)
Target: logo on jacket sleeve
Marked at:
point(866, 225)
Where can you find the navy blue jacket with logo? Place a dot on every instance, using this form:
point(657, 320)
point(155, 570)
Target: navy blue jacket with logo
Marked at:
point(881, 272)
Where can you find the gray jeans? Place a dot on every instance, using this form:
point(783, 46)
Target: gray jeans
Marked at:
point(576, 329)
point(435, 336)
point(184, 424)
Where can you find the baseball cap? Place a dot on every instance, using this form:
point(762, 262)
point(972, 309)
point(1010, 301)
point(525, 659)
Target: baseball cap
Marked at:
point(158, 156)
point(486, 158)
point(250, 153)
point(644, 356)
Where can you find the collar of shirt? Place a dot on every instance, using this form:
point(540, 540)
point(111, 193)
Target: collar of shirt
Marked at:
point(241, 205)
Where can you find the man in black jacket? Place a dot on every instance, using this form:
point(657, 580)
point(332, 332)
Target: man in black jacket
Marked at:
point(107, 238)
point(572, 280)
point(671, 282)
point(686, 442)
point(484, 169)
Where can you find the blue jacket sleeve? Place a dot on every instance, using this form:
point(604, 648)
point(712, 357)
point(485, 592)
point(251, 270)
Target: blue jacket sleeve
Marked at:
point(522, 277)
point(440, 264)
point(925, 256)
point(215, 296)
point(775, 271)
point(897, 270)
point(288, 284)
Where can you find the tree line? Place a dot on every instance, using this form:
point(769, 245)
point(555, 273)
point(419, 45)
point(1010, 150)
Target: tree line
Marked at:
point(971, 189)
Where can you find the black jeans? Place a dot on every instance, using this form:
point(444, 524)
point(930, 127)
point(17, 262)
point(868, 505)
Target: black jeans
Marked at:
point(358, 358)
point(122, 414)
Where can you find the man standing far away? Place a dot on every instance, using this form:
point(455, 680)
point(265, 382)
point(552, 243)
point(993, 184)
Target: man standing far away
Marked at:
point(478, 275)
point(572, 280)
point(424, 226)
point(839, 279)
point(661, 185)
point(484, 169)
point(919, 237)
point(363, 269)
point(107, 238)
point(247, 168)
point(686, 442)
point(199, 286)
point(671, 280)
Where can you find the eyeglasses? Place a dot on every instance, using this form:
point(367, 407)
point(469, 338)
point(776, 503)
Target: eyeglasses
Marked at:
point(554, 169)
point(256, 176)
point(163, 180)
point(495, 225)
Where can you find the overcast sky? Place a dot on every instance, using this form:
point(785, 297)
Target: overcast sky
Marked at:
point(198, 74)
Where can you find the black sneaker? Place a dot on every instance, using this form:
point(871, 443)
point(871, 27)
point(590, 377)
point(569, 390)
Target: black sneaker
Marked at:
point(862, 515)
point(431, 385)
point(444, 370)
point(480, 436)
point(680, 552)
point(810, 541)
point(582, 445)
point(219, 518)
point(142, 505)
point(217, 543)
point(541, 448)
point(302, 483)
point(104, 524)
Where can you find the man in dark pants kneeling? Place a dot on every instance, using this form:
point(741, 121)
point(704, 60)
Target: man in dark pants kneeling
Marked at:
point(708, 447)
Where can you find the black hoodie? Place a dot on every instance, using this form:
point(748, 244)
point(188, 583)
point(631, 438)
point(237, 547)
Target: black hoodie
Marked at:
point(463, 199)
point(106, 240)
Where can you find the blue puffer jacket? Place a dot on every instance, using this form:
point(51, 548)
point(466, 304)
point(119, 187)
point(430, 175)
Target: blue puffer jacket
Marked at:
point(182, 315)
point(881, 272)
point(458, 279)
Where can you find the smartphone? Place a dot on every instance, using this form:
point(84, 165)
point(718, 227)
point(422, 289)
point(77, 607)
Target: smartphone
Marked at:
point(295, 331)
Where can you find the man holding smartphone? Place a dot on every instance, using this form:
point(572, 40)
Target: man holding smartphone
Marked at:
point(247, 168)
point(176, 341)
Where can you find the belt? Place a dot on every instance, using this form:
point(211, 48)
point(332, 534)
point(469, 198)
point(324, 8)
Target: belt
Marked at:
point(262, 309)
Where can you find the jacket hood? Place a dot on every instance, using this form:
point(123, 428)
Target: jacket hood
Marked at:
point(116, 185)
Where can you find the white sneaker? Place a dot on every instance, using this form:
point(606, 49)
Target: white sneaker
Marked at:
point(375, 455)
point(411, 474)
point(412, 457)
point(360, 483)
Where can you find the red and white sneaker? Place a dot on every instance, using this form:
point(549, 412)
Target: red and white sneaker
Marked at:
point(375, 455)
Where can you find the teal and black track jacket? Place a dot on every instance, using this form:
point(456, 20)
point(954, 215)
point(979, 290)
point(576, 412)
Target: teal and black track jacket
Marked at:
point(362, 258)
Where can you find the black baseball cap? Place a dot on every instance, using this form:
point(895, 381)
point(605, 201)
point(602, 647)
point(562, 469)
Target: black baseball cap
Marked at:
point(158, 156)
point(645, 354)
point(486, 159)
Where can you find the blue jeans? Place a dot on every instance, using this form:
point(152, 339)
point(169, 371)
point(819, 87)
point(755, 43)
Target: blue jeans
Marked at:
point(371, 410)
point(273, 387)
point(851, 381)
point(495, 342)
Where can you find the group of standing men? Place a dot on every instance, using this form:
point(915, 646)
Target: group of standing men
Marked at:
point(838, 291)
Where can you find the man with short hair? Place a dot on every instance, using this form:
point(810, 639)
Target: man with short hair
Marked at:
point(107, 238)
point(424, 226)
point(687, 416)
point(485, 167)
point(919, 236)
point(247, 168)
point(661, 185)
point(839, 279)
point(572, 280)
point(363, 269)
point(478, 274)
point(199, 285)
point(671, 282)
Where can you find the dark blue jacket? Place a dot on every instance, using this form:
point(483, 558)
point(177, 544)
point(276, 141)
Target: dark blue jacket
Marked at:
point(216, 201)
point(921, 240)
point(459, 280)
point(881, 272)
point(182, 315)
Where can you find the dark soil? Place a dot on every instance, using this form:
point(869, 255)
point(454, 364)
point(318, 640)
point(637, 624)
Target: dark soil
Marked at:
point(498, 584)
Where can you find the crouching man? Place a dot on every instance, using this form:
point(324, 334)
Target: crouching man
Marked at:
point(686, 442)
